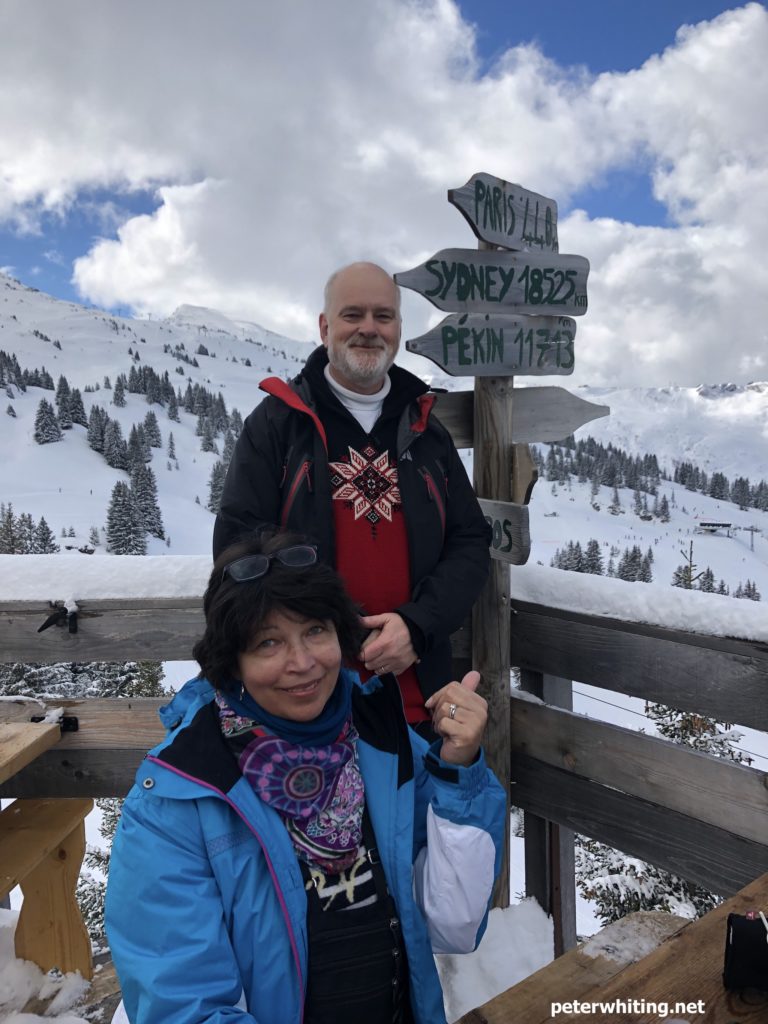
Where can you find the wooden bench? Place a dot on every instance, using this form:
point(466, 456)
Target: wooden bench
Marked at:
point(42, 844)
point(22, 742)
point(686, 967)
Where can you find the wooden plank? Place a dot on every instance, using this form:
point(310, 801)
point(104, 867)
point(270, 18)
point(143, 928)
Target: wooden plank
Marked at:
point(502, 213)
point(577, 972)
point(471, 281)
point(30, 830)
point(22, 742)
point(700, 853)
point(50, 931)
point(20, 709)
point(455, 410)
point(550, 872)
point(117, 723)
point(710, 789)
point(481, 345)
point(490, 616)
point(99, 759)
point(511, 534)
point(686, 968)
point(551, 414)
point(163, 630)
point(77, 773)
point(540, 414)
point(524, 474)
point(720, 677)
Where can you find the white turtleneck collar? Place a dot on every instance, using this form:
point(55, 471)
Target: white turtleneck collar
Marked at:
point(365, 408)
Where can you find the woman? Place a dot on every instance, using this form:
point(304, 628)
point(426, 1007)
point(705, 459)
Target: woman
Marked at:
point(292, 851)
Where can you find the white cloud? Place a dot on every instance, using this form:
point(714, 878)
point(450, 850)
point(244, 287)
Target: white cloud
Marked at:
point(283, 145)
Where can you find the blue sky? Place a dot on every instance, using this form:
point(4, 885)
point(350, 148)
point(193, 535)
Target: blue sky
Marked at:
point(222, 160)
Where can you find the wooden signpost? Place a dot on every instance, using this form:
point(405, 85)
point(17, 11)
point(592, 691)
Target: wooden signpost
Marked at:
point(479, 345)
point(490, 280)
point(510, 315)
point(508, 215)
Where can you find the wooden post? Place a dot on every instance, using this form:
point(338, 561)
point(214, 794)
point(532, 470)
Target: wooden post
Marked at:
point(490, 618)
point(550, 869)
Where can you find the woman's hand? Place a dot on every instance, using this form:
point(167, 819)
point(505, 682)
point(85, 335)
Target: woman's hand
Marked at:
point(459, 715)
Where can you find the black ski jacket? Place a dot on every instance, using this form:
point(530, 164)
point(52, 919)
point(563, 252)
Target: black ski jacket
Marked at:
point(279, 477)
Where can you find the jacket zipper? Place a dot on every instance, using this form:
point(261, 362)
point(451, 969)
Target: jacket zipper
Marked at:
point(301, 473)
point(259, 840)
point(435, 496)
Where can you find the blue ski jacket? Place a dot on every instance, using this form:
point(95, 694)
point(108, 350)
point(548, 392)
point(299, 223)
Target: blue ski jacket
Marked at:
point(206, 906)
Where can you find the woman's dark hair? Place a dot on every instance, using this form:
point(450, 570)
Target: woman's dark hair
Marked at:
point(235, 611)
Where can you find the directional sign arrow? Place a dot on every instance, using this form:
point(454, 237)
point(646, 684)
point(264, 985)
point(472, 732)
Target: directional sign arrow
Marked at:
point(486, 281)
point(505, 214)
point(482, 345)
point(538, 414)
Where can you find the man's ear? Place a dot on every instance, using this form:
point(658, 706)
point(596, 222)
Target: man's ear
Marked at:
point(323, 321)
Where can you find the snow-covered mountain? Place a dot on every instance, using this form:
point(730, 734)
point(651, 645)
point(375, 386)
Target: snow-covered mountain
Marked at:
point(720, 428)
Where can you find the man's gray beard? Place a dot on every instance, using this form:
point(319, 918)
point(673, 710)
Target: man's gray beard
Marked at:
point(373, 365)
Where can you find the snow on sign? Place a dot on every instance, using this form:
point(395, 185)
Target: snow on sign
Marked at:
point(481, 281)
point(505, 214)
point(481, 345)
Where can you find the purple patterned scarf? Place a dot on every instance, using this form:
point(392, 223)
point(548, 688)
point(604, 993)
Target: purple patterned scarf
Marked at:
point(318, 791)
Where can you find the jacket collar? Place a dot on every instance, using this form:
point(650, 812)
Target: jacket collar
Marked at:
point(408, 398)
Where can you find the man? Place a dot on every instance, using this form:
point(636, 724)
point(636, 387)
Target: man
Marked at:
point(349, 455)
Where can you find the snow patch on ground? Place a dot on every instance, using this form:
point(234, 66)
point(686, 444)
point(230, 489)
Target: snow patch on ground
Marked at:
point(22, 981)
point(517, 942)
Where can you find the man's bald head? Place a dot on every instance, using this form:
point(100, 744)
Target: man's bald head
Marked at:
point(357, 270)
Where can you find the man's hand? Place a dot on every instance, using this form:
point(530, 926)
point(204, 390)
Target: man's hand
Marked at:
point(389, 647)
point(459, 716)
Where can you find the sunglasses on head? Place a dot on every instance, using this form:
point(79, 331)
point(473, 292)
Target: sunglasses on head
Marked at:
point(253, 567)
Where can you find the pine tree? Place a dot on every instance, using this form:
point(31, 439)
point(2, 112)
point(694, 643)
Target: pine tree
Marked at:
point(9, 539)
point(664, 509)
point(97, 422)
point(62, 391)
point(216, 486)
point(93, 537)
point(593, 559)
point(76, 408)
point(45, 541)
point(152, 430)
point(173, 407)
point(171, 447)
point(65, 413)
point(115, 448)
point(26, 534)
point(47, 429)
point(10, 411)
point(208, 444)
point(125, 525)
point(118, 393)
point(144, 487)
point(707, 581)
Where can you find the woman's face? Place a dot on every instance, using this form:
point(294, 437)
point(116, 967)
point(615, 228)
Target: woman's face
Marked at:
point(291, 665)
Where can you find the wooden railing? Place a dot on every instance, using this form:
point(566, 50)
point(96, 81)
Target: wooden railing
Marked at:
point(704, 818)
